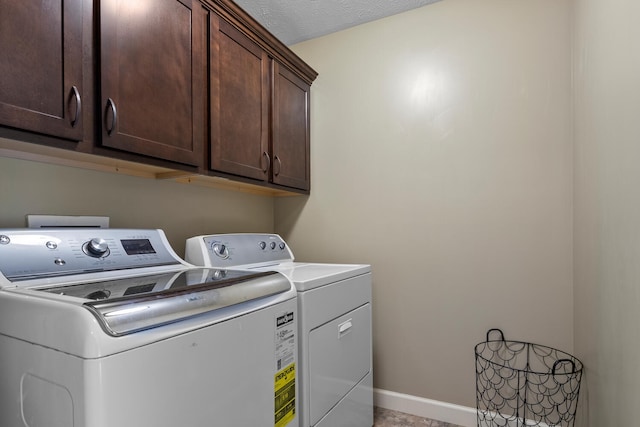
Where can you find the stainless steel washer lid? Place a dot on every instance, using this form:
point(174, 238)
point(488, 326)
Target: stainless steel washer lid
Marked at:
point(129, 305)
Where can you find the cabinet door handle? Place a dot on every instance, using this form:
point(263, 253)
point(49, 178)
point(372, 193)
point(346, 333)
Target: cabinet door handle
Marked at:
point(279, 166)
point(267, 163)
point(111, 106)
point(75, 93)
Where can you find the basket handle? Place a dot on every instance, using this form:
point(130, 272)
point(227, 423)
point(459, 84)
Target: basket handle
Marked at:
point(559, 361)
point(495, 330)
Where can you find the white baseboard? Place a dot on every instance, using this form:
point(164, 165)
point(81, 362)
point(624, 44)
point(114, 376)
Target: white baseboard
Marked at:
point(433, 409)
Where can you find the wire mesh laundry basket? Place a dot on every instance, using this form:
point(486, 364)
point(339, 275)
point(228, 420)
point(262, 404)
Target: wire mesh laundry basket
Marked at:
point(524, 384)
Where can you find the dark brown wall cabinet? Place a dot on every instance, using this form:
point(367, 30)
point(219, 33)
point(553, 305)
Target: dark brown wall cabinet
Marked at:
point(152, 78)
point(259, 112)
point(239, 103)
point(290, 134)
point(41, 67)
point(194, 86)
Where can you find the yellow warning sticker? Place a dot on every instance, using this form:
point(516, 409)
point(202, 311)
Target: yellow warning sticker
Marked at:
point(285, 395)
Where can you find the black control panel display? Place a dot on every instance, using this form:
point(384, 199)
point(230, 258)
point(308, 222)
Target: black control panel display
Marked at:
point(137, 246)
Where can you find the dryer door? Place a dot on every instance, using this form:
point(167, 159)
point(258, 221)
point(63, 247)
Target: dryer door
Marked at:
point(339, 358)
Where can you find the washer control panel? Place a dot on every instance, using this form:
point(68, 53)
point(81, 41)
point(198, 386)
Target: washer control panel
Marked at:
point(229, 250)
point(40, 253)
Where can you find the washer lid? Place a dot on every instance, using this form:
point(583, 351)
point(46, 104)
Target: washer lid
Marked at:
point(125, 306)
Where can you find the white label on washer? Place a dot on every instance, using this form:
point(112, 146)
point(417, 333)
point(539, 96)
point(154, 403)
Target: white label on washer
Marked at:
point(285, 373)
point(285, 340)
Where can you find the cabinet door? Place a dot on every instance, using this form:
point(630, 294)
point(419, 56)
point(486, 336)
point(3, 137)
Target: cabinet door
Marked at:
point(152, 80)
point(41, 66)
point(291, 133)
point(239, 103)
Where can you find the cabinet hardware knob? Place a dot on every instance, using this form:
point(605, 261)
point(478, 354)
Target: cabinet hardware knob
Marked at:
point(267, 163)
point(75, 93)
point(111, 106)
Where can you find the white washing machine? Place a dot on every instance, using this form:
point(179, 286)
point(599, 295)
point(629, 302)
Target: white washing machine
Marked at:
point(334, 313)
point(106, 328)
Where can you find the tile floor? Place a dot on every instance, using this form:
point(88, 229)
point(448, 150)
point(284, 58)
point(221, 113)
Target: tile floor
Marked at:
point(388, 418)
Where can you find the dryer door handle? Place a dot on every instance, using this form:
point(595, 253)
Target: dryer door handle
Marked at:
point(344, 328)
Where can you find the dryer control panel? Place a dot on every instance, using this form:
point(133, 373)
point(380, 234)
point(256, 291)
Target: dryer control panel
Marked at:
point(231, 250)
point(27, 254)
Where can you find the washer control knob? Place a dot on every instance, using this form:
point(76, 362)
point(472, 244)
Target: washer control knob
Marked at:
point(282, 246)
point(220, 250)
point(219, 274)
point(272, 245)
point(97, 248)
point(262, 245)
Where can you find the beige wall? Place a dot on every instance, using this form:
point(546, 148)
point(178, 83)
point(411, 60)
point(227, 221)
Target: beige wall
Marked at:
point(607, 207)
point(181, 210)
point(441, 154)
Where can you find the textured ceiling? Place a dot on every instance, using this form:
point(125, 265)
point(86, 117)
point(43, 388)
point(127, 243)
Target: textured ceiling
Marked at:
point(294, 21)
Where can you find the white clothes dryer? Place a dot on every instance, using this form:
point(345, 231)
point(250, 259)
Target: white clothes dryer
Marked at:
point(334, 313)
